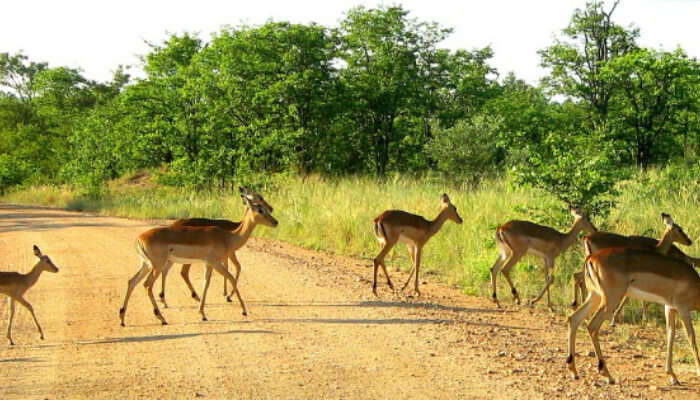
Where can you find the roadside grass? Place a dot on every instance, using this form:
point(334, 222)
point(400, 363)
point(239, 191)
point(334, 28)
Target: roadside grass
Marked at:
point(335, 214)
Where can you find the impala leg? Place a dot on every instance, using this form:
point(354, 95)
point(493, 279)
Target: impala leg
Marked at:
point(29, 307)
point(162, 283)
point(220, 268)
point(237, 265)
point(412, 252)
point(11, 308)
point(670, 335)
point(205, 289)
point(593, 330)
point(688, 325)
point(494, 271)
point(514, 258)
point(149, 289)
point(419, 253)
point(548, 267)
point(578, 279)
point(645, 309)
point(618, 310)
point(228, 298)
point(185, 274)
point(130, 288)
point(379, 260)
point(574, 321)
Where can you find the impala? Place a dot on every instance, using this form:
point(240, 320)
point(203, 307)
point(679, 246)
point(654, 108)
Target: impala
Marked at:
point(211, 245)
point(613, 273)
point(601, 240)
point(394, 226)
point(15, 284)
point(224, 224)
point(517, 238)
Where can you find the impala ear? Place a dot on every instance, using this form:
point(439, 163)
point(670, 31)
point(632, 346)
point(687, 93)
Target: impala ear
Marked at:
point(667, 219)
point(37, 252)
point(444, 198)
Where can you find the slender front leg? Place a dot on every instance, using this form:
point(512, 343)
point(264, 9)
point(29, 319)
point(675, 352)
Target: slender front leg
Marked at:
point(205, 289)
point(412, 253)
point(223, 271)
point(11, 307)
point(168, 264)
point(29, 307)
point(237, 265)
point(670, 335)
point(548, 266)
point(618, 310)
point(419, 252)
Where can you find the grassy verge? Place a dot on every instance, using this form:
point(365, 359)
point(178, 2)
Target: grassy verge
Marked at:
point(335, 214)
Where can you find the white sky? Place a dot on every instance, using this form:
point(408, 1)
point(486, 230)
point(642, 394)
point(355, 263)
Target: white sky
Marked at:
point(96, 36)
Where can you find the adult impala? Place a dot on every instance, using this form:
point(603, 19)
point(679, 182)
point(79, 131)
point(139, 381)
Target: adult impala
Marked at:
point(15, 285)
point(185, 244)
point(394, 226)
point(602, 240)
point(517, 238)
point(224, 224)
point(613, 273)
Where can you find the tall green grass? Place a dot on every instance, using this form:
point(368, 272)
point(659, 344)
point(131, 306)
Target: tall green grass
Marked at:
point(335, 214)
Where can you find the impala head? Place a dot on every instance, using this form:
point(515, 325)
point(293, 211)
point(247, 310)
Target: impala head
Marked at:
point(451, 209)
point(255, 198)
point(582, 218)
point(259, 213)
point(677, 233)
point(44, 261)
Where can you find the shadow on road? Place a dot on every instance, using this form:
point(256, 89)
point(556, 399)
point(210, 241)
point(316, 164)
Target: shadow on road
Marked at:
point(155, 338)
point(389, 304)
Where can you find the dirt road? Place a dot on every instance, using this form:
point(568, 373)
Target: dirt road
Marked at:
point(314, 331)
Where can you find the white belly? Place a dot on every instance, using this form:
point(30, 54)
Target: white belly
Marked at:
point(645, 296)
point(184, 260)
point(404, 239)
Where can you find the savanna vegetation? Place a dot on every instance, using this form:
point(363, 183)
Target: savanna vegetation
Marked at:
point(336, 124)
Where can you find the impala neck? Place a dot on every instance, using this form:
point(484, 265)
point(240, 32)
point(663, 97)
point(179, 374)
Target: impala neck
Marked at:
point(436, 224)
point(665, 243)
point(33, 275)
point(240, 235)
point(569, 237)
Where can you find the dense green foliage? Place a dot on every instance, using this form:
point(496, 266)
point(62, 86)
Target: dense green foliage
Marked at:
point(376, 95)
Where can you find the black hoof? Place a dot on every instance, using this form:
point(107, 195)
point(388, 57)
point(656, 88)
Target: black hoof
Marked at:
point(245, 314)
point(204, 319)
point(164, 323)
point(122, 324)
point(228, 298)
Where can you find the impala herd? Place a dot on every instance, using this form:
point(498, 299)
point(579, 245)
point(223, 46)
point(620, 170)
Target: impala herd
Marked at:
point(616, 267)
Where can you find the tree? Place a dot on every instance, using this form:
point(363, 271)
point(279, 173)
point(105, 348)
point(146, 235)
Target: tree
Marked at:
point(387, 65)
point(576, 64)
point(656, 94)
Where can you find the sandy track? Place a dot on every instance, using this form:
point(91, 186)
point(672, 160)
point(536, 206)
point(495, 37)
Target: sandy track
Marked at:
point(314, 331)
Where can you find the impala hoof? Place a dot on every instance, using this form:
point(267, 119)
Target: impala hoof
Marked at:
point(164, 323)
point(204, 318)
point(228, 298)
point(245, 313)
point(122, 324)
